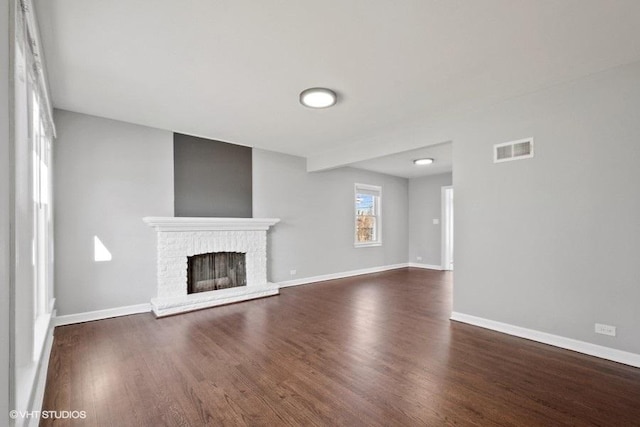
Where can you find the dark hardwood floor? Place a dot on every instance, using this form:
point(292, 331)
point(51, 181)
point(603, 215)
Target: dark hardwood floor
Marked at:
point(371, 350)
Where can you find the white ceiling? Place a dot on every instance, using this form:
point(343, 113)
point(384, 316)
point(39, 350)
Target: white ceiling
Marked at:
point(232, 70)
point(401, 164)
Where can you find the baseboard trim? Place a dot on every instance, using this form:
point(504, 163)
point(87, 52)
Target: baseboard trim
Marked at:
point(425, 266)
point(89, 316)
point(600, 351)
point(341, 275)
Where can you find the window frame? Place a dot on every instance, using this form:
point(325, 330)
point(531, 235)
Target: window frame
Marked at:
point(377, 214)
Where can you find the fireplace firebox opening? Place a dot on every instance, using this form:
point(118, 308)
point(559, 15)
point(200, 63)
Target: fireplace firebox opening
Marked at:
point(216, 270)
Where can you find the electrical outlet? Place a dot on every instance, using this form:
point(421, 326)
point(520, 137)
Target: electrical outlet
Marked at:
point(605, 329)
point(293, 272)
point(436, 221)
point(418, 258)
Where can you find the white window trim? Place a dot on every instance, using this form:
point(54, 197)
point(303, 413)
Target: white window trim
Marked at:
point(378, 242)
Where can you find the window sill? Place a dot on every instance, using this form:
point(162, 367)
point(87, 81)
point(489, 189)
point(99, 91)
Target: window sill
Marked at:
point(367, 245)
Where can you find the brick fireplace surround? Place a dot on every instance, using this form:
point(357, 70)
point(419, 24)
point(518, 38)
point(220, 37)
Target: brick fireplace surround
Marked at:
point(180, 237)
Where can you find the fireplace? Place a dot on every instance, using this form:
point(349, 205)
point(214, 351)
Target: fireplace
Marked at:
point(215, 270)
point(205, 262)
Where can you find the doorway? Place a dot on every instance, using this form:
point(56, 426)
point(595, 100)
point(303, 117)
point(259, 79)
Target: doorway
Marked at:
point(447, 228)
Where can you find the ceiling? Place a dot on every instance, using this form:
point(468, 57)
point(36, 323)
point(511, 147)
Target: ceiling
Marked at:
point(232, 70)
point(401, 164)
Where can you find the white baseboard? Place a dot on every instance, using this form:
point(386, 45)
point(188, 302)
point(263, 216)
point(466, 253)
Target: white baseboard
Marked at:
point(425, 266)
point(88, 316)
point(600, 351)
point(340, 275)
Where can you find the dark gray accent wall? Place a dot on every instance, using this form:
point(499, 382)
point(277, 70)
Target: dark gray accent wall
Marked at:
point(211, 178)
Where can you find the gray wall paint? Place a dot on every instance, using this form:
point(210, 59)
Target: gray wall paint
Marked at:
point(549, 243)
point(425, 204)
point(6, 317)
point(108, 176)
point(553, 243)
point(316, 234)
point(211, 178)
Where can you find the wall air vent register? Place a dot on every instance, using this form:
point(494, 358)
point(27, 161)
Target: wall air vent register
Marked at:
point(514, 150)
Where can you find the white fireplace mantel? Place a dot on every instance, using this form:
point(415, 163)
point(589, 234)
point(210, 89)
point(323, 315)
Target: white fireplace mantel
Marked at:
point(169, 223)
point(182, 237)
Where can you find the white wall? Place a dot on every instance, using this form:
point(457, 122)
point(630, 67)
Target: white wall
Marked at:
point(553, 243)
point(108, 176)
point(316, 234)
point(6, 318)
point(425, 204)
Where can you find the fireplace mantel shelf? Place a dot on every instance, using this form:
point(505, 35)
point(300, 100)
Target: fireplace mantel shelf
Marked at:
point(169, 223)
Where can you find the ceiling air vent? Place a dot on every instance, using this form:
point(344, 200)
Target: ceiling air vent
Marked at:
point(514, 150)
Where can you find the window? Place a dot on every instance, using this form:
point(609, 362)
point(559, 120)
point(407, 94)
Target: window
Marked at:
point(368, 200)
point(33, 233)
point(42, 228)
point(32, 228)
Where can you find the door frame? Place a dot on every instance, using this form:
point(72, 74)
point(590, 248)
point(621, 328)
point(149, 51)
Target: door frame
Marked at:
point(445, 262)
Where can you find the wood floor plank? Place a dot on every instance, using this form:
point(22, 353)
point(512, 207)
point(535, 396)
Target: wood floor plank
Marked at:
point(375, 350)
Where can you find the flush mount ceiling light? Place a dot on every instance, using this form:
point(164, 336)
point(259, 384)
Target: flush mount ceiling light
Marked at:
point(422, 162)
point(318, 97)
